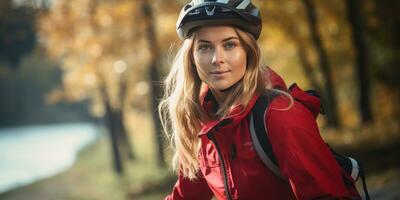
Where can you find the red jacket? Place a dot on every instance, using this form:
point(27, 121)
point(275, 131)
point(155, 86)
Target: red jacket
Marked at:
point(231, 169)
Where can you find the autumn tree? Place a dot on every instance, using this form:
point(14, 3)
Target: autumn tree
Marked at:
point(94, 40)
point(286, 18)
point(354, 8)
point(17, 32)
point(323, 62)
point(159, 19)
point(154, 75)
point(382, 23)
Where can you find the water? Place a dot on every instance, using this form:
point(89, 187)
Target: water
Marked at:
point(28, 154)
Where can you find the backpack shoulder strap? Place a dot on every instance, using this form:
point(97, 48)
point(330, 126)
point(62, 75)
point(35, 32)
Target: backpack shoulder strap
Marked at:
point(263, 147)
point(259, 133)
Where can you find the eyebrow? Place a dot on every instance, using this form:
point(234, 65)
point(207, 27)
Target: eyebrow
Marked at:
point(224, 40)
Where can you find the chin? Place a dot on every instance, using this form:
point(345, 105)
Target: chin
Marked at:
point(221, 87)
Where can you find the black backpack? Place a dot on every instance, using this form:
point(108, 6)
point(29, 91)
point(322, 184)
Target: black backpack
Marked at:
point(259, 137)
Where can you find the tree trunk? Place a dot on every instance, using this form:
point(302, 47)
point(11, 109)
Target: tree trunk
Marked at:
point(306, 66)
point(112, 128)
point(120, 142)
point(328, 95)
point(123, 138)
point(125, 141)
point(113, 123)
point(356, 22)
point(154, 75)
point(293, 33)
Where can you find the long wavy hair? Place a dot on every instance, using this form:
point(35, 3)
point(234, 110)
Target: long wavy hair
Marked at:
point(181, 111)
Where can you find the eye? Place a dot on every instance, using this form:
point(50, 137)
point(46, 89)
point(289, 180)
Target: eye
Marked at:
point(204, 47)
point(230, 45)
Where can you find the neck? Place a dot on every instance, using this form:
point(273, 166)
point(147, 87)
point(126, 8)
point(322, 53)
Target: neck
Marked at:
point(220, 96)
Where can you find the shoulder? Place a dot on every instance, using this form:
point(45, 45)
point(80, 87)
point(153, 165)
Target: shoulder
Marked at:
point(290, 124)
point(286, 113)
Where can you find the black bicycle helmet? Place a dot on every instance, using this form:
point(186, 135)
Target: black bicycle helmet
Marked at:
point(240, 13)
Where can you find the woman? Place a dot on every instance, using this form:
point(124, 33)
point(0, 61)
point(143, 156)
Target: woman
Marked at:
point(213, 85)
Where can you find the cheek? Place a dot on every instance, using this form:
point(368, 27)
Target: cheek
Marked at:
point(240, 61)
point(201, 63)
point(201, 58)
point(201, 72)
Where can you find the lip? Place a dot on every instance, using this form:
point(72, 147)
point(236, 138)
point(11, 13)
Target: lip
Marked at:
point(219, 72)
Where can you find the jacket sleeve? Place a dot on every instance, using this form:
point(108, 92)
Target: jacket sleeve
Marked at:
point(302, 155)
point(186, 189)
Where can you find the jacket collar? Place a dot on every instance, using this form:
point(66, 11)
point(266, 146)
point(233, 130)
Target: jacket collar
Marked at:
point(236, 115)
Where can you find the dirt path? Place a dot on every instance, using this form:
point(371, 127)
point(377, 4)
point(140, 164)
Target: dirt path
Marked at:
point(389, 192)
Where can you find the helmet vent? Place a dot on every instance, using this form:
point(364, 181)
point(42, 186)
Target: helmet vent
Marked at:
point(243, 5)
point(194, 12)
point(210, 12)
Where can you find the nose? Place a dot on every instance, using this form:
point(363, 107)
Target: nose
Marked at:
point(218, 57)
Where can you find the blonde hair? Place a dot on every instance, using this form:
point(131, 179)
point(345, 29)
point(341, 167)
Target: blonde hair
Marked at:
point(181, 112)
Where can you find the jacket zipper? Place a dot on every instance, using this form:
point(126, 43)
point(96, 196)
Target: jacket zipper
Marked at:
point(223, 168)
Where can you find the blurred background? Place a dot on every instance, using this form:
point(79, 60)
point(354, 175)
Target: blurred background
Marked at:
point(80, 82)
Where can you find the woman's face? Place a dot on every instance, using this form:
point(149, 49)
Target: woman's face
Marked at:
point(219, 57)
